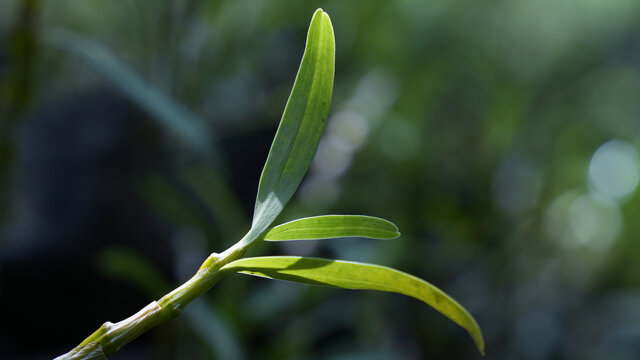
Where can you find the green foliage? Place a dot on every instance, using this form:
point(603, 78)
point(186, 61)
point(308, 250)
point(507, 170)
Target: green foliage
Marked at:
point(301, 126)
point(333, 226)
point(123, 263)
point(289, 158)
point(354, 275)
point(472, 125)
point(169, 113)
point(291, 153)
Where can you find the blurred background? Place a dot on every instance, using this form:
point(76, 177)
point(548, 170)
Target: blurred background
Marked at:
point(501, 137)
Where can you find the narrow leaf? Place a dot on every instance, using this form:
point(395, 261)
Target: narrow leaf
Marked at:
point(301, 126)
point(353, 275)
point(213, 329)
point(165, 110)
point(124, 264)
point(333, 226)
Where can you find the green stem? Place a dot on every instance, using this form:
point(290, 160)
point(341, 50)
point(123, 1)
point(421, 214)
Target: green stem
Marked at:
point(110, 337)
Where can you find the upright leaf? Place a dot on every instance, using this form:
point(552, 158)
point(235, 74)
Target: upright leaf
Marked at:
point(353, 275)
point(301, 126)
point(333, 226)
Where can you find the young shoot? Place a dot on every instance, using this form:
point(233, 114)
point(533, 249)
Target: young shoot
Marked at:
point(291, 152)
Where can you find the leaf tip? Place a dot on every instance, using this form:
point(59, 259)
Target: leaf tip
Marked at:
point(478, 338)
point(318, 13)
point(395, 230)
point(321, 15)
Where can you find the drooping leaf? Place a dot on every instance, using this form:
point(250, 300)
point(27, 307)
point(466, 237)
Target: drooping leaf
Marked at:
point(300, 128)
point(354, 275)
point(333, 226)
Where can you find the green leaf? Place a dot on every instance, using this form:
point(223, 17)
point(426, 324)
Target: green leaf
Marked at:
point(212, 328)
point(125, 264)
point(333, 226)
point(353, 275)
point(165, 110)
point(301, 126)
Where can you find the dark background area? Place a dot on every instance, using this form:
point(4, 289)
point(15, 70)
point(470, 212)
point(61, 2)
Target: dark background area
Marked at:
point(501, 137)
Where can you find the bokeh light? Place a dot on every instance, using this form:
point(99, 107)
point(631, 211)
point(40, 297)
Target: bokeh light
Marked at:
point(595, 221)
point(613, 169)
point(583, 221)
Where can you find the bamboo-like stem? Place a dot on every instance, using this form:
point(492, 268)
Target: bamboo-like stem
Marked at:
point(110, 337)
